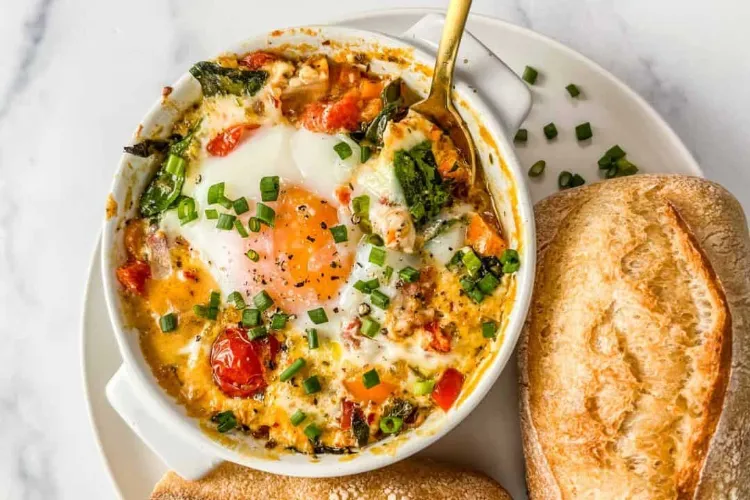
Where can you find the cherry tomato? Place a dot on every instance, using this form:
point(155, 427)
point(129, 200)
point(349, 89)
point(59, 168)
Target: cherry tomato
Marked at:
point(238, 363)
point(347, 412)
point(440, 340)
point(343, 114)
point(255, 60)
point(227, 140)
point(133, 275)
point(447, 388)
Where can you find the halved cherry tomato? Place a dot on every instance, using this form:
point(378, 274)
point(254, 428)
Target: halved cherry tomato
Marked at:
point(238, 363)
point(228, 139)
point(483, 238)
point(448, 388)
point(377, 394)
point(343, 114)
point(347, 412)
point(440, 340)
point(133, 275)
point(255, 60)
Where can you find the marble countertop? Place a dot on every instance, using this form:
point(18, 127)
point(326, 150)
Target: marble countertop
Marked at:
point(76, 76)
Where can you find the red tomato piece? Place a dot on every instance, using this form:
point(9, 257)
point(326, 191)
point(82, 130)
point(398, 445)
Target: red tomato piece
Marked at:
point(440, 340)
point(448, 388)
point(133, 275)
point(343, 114)
point(255, 60)
point(227, 140)
point(347, 412)
point(238, 363)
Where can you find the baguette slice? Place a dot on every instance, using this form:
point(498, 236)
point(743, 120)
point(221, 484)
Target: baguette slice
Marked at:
point(634, 362)
point(408, 479)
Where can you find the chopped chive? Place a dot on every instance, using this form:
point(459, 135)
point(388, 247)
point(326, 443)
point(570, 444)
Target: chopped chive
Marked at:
point(250, 317)
point(226, 421)
point(577, 180)
point(313, 432)
point(388, 273)
point(537, 168)
point(185, 208)
point(343, 150)
point(361, 205)
point(278, 321)
point(200, 310)
point(467, 283)
point(236, 299)
point(472, 262)
point(489, 329)
point(265, 214)
point(476, 295)
point(521, 136)
point(311, 385)
point(189, 218)
point(212, 213)
point(615, 153)
point(240, 206)
point(312, 338)
point(298, 417)
point(175, 165)
point(366, 286)
point(573, 90)
point(253, 224)
point(168, 323)
point(563, 180)
point(625, 168)
point(371, 379)
point(226, 221)
point(257, 332)
point(225, 202)
point(214, 299)
point(409, 274)
point(376, 240)
point(391, 424)
point(292, 369)
point(240, 228)
point(339, 234)
point(488, 283)
point(611, 172)
point(510, 260)
point(318, 316)
point(605, 162)
point(252, 255)
point(215, 193)
point(370, 327)
point(423, 387)
point(550, 131)
point(380, 299)
point(269, 188)
point(364, 153)
point(262, 301)
point(377, 256)
point(530, 75)
point(583, 131)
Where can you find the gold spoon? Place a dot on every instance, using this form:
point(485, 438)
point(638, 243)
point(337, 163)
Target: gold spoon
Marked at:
point(438, 106)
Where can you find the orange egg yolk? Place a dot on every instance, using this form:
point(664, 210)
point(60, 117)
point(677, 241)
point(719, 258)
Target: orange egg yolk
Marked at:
point(300, 265)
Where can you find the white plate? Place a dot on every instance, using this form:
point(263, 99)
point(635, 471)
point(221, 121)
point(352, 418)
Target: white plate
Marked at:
point(489, 439)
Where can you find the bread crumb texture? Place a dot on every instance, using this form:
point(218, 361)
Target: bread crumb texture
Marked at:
point(412, 479)
point(628, 344)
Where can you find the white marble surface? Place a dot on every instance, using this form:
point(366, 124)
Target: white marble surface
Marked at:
point(76, 76)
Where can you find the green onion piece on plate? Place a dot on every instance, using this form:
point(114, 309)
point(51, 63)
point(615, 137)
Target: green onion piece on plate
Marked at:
point(583, 131)
point(424, 387)
point(312, 432)
point(265, 214)
point(472, 262)
point(488, 283)
point(250, 317)
point(379, 299)
point(278, 321)
point(370, 327)
point(269, 188)
point(240, 206)
point(215, 193)
point(377, 256)
point(212, 214)
point(489, 329)
point(226, 222)
point(521, 136)
point(537, 168)
point(240, 228)
point(339, 234)
point(573, 90)
point(530, 75)
point(364, 153)
point(550, 131)
point(409, 274)
point(257, 332)
point(510, 260)
point(312, 338)
point(236, 299)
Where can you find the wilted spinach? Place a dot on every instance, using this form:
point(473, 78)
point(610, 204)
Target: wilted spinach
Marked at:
point(393, 107)
point(399, 408)
point(215, 79)
point(360, 429)
point(424, 190)
point(161, 192)
point(147, 147)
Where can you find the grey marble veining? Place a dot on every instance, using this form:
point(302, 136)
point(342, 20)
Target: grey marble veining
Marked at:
point(76, 76)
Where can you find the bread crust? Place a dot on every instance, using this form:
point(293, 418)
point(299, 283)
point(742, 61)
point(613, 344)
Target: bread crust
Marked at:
point(408, 479)
point(708, 234)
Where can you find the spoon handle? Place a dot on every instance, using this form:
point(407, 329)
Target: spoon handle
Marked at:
point(455, 20)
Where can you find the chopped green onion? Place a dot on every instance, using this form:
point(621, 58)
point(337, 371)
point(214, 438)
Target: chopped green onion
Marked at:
point(605, 162)
point(409, 274)
point(265, 214)
point(339, 234)
point(424, 387)
point(611, 172)
point(388, 273)
point(583, 131)
point(212, 214)
point(200, 310)
point(312, 338)
point(455, 261)
point(472, 262)
point(371, 379)
point(254, 224)
point(215, 193)
point(370, 327)
point(577, 180)
point(376, 240)
point(510, 260)
point(530, 75)
point(573, 90)
point(391, 425)
point(269, 188)
point(190, 218)
point(377, 256)
point(185, 208)
point(298, 417)
point(292, 369)
point(278, 321)
point(364, 153)
point(225, 202)
point(476, 295)
point(615, 153)
point(361, 205)
point(226, 221)
point(318, 316)
point(168, 323)
point(563, 180)
point(521, 136)
point(537, 168)
point(240, 206)
point(625, 168)
point(250, 317)
point(214, 299)
point(367, 286)
point(489, 329)
point(380, 299)
point(226, 421)
point(240, 228)
point(257, 332)
point(467, 283)
point(236, 299)
point(488, 283)
point(343, 150)
point(252, 255)
point(175, 165)
point(311, 385)
point(550, 131)
point(313, 432)
point(262, 301)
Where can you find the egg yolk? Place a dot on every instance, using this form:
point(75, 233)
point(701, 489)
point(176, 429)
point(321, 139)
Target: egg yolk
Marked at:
point(300, 265)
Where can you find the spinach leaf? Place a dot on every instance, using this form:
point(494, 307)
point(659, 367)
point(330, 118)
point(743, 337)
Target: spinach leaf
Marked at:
point(147, 147)
point(399, 408)
point(161, 192)
point(321, 449)
point(392, 109)
point(423, 187)
point(215, 79)
point(360, 429)
point(181, 144)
